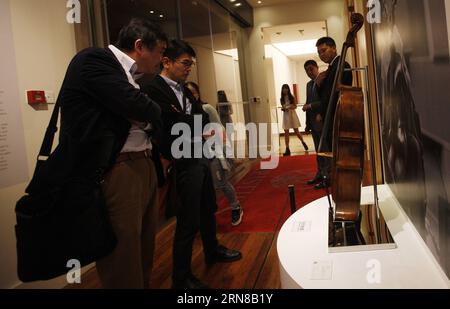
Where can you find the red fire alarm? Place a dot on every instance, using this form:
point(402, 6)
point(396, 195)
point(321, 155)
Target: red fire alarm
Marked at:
point(36, 97)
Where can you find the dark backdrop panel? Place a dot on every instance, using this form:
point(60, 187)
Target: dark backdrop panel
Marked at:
point(413, 74)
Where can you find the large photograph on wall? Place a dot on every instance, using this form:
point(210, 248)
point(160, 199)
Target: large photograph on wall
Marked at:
point(412, 60)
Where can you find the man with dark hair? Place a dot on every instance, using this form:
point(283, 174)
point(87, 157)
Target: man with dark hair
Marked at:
point(313, 117)
point(105, 121)
point(193, 177)
point(326, 48)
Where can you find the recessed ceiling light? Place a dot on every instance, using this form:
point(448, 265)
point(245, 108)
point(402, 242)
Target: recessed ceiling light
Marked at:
point(238, 4)
point(297, 47)
point(232, 1)
point(259, 2)
point(161, 15)
point(151, 12)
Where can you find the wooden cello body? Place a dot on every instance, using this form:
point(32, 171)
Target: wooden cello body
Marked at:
point(348, 154)
point(348, 138)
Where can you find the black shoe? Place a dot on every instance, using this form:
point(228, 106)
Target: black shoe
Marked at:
point(315, 180)
point(305, 146)
point(321, 185)
point(224, 255)
point(287, 152)
point(236, 216)
point(190, 283)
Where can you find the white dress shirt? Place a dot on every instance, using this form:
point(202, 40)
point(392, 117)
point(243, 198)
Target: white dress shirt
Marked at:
point(178, 90)
point(334, 59)
point(138, 139)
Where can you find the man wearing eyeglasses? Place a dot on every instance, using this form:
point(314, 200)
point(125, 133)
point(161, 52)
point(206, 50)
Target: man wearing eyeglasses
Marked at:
point(194, 184)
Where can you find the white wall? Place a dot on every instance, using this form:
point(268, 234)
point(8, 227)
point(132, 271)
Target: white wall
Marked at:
point(332, 11)
point(44, 44)
point(447, 15)
point(225, 76)
point(203, 74)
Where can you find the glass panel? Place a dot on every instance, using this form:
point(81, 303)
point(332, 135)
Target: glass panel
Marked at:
point(119, 12)
point(196, 31)
point(226, 63)
point(210, 30)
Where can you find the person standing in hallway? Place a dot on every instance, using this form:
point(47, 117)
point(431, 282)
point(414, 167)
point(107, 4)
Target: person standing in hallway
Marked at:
point(220, 167)
point(290, 118)
point(193, 176)
point(326, 49)
point(224, 108)
point(313, 116)
point(225, 111)
point(107, 121)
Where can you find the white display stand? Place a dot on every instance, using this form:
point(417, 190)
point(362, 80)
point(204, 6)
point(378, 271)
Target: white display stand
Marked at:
point(305, 262)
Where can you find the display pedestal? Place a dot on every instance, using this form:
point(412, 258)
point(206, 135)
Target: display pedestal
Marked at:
point(369, 233)
point(305, 261)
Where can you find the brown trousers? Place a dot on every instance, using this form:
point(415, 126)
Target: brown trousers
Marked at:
point(131, 193)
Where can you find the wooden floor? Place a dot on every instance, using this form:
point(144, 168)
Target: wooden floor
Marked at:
point(258, 269)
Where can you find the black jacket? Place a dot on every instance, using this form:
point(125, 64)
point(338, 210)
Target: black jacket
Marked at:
point(172, 112)
point(312, 98)
point(327, 85)
point(325, 93)
point(97, 103)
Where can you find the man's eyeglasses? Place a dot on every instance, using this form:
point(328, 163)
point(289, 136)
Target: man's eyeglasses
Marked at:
point(187, 63)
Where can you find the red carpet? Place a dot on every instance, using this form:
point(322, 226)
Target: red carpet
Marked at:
point(263, 194)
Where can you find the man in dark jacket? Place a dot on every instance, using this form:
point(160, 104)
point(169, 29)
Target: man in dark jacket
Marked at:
point(326, 48)
point(313, 117)
point(193, 177)
point(105, 125)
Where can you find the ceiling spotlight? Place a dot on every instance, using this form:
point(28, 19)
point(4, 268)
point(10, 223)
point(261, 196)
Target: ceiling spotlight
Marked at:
point(161, 15)
point(232, 1)
point(238, 4)
point(152, 12)
point(259, 2)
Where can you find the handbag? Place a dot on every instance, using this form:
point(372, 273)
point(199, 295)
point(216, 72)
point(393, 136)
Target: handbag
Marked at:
point(64, 221)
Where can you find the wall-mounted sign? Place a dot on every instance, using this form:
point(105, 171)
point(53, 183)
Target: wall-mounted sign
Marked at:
point(13, 158)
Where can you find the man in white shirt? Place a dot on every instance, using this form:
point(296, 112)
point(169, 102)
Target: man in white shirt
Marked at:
point(130, 186)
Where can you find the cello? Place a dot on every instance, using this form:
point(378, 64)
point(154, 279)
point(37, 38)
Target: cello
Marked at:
point(348, 137)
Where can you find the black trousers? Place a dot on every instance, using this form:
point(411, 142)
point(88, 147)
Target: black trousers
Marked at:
point(196, 213)
point(323, 163)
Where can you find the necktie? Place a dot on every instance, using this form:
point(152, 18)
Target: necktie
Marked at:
point(180, 88)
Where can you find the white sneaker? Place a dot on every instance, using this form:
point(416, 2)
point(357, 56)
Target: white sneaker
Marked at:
point(236, 216)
